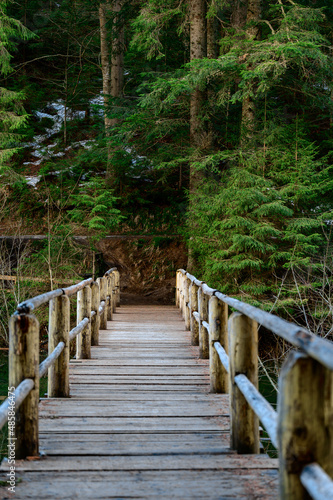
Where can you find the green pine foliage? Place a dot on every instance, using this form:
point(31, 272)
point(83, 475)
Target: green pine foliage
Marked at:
point(12, 114)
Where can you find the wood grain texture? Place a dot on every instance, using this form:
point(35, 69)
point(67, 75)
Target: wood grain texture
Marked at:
point(141, 423)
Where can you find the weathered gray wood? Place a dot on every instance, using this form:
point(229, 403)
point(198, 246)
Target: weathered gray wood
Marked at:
point(182, 294)
point(162, 485)
point(83, 340)
point(59, 325)
point(243, 355)
point(29, 305)
point(194, 327)
point(305, 416)
point(203, 316)
point(117, 287)
point(207, 290)
point(24, 363)
point(265, 412)
point(72, 290)
point(109, 299)
point(177, 290)
point(51, 359)
point(224, 358)
point(317, 482)
point(20, 393)
point(218, 332)
point(103, 293)
point(187, 311)
point(189, 462)
point(78, 329)
point(95, 320)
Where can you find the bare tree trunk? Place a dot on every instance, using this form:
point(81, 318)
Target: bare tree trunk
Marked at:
point(198, 50)
point(213, 49)
point(117, 62)
point(248, 108)
point(105, 61)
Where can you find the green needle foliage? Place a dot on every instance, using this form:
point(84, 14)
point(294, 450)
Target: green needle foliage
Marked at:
point(12, 114)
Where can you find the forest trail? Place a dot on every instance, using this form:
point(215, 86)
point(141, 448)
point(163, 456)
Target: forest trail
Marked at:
point(141, 423)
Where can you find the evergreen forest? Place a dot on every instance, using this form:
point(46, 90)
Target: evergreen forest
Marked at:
point(211, 120)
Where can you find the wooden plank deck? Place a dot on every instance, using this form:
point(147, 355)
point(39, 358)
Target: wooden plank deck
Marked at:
point(141, 423)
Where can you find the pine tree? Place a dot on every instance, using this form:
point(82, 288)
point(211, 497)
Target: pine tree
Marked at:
point(12, 114)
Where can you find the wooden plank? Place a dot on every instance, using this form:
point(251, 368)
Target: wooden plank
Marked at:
point(240, 485)
point(141, 423)
point(149, 462)
point(128, 424)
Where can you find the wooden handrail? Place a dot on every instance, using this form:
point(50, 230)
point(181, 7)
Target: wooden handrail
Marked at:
point(24, 373)
point(304, 377)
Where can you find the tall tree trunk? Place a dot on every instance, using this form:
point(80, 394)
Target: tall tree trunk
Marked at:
point(198, 50)
point(117, 62)
point(248, 107)
point(105, 60)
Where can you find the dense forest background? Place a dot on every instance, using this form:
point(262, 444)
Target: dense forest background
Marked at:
point(211, 120)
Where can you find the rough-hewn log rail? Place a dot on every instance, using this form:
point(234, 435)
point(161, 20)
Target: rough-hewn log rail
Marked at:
point(24, 371)
point(302, 427)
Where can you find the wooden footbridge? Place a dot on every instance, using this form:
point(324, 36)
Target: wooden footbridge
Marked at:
point(150, 409)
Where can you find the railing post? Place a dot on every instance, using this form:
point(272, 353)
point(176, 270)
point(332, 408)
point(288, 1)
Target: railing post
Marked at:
point(187, 312)
point(109, 300)
point(24, 363)
point(103, 292)
point(218, 331)
point(117, 284)
point(83, 340)
point(203, 315)
point(181, 294)
point(177, 289)
point(59, 326)
point(305, 416)
point(95, 320)
point(113, 291)
point(194, 307)
point(243, 358)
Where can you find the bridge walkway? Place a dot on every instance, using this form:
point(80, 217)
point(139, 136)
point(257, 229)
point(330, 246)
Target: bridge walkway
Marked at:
point(141, 423)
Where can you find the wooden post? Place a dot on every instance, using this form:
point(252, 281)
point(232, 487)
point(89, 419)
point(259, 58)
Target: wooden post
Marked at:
point(187, 313)
point(181, 293)
point(243, 358)
point(194, 307)
point(109, 293)
point(113, 291)
point(117, 283)
point(103, 291)
point(83, 340)
point(218, 327)
point(203, 334)
point(177, 289)
point(305, 417)
point(59, 326)
point(24, 363)
point(95, 320)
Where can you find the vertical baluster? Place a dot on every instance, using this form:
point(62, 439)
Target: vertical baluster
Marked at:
point(83, 340)
point(218, 328)
point(203, 334)
point(194, 307)
point(305, 416)
point(243, 358)
point(95, 320)
point(59, 326)
point(24, 363)
point(103, 292)
point(187, 316)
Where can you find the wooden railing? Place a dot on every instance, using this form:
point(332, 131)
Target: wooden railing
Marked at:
point(302, 427)
point(96, 301)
